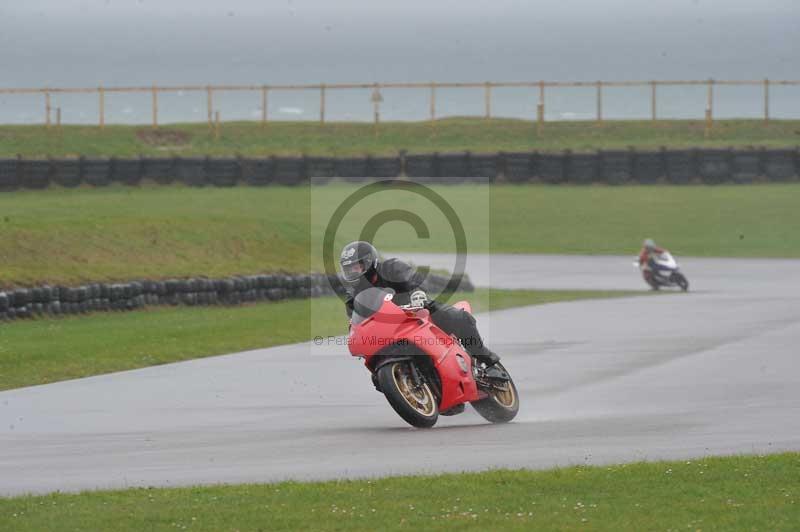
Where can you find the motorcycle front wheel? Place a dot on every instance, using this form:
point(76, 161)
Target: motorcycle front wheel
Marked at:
point(681, 281)
point(415, 403)
point(502, 403)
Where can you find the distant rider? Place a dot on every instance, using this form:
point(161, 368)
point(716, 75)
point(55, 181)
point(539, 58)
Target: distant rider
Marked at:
point(647, 256)
point(361, 269)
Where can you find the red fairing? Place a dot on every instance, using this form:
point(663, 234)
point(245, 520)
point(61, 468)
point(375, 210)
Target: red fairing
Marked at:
point(391, 324)
point(378, 331)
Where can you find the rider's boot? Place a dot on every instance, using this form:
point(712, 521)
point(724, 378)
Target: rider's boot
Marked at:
point(490, 359)
point(486, 356)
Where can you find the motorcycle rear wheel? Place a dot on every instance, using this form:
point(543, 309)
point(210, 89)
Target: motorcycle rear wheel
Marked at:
point(501, 406)
point(651, 282)
point(415, 404)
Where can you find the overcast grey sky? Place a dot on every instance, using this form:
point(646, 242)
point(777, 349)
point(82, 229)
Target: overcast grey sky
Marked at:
point(115, 42)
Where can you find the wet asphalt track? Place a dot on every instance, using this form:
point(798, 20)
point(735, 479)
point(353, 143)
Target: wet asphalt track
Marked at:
point(684, 375)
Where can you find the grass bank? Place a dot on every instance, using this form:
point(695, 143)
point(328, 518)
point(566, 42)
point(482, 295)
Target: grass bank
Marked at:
point(49, 350)
point(732, 493)
point(451, 134)
point(119, 233)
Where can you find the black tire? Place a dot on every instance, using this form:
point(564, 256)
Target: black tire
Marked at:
point(496, 409)
point(392, 379)
point(681, 281)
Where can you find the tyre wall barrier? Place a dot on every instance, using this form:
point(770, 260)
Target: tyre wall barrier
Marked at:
point(66, 172)
point(384, 167)
point(613, 167)
point(581, 168)
point(35, 173)
point(745, 166)
point(257, 172)
point(321, 169)
point(191, 171)
point(551, 168)
point(159, 170)
point(421, 167)
point(96, 172)
point(9, 175)
point(714, 166)
point(519, 167)
point(353, 169)
point(451, 167)
point(126, 171)
point(289, 170)
point(680, 166)
point(58, 300)
point(222, 172)
point(648, 166)
point(485, 166)
point(780, 165)
point(616, 167)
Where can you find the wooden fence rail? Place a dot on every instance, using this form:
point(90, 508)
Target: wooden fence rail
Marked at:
point(541, 86)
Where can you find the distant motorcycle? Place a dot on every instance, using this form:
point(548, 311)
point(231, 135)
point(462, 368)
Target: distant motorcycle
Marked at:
point(423, 371)
point(664, 272)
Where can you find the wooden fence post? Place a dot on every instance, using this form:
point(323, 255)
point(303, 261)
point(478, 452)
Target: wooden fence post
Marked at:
point(433, 102)
point(599, 102)
point(47, 109)
point(653, 100)
point(540, 110)
point(710, 108)
point(376, 109)
point(101, 96)
point(216, 125)
point(155, 106)
point(58, 117)
point(711, 97)
point(487, 97)
point(766, 100)
point(264, 102)
point(210, 105)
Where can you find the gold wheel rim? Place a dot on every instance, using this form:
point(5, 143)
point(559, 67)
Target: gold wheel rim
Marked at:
point(420, 399)
point(506, 396)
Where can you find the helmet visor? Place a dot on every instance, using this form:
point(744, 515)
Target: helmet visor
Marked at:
point(353, 269)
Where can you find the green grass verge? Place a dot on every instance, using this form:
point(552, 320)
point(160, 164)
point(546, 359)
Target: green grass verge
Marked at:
point(731, 493)
point(119, 233)
point(451, 134)
point(49, 350)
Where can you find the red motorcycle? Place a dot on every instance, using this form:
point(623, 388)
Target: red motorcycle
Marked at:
point(423, 371)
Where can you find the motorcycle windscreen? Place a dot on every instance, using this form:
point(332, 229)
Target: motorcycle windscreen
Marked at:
point(665, 261)
point(368, 302)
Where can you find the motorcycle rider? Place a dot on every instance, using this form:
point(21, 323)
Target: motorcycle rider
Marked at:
point(647, 257)
point(362, 268)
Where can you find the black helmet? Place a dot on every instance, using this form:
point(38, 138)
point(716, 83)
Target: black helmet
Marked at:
point(358, 259)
